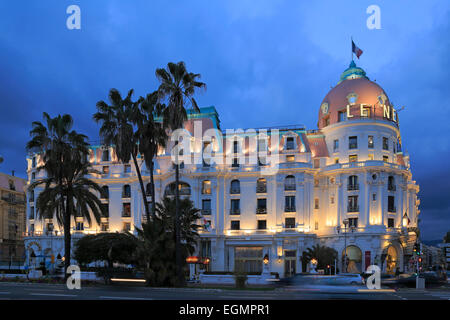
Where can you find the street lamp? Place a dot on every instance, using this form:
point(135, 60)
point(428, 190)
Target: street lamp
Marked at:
point(345, 243)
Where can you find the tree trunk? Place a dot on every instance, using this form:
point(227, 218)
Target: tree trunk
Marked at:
point(144, 195)
point(67, 234)
point(180, 276)
point(152, 189)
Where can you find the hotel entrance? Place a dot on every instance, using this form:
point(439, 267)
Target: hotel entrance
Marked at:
point(290, 259)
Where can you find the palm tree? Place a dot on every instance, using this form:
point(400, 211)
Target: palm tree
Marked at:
point(177, 87)
point(118, 129)
point(156, 241)
point(67, 192)
point(324, 255)
point(151, 135)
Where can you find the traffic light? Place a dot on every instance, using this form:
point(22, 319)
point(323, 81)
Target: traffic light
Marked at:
point(417, 249)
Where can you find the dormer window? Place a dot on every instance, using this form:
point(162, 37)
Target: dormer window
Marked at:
point(290, 143)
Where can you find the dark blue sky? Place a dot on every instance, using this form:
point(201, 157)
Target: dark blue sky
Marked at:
point(265, 63)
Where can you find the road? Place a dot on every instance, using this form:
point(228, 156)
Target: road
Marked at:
point(33, 291)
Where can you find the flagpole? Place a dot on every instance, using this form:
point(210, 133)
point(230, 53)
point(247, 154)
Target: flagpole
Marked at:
point(351, 59)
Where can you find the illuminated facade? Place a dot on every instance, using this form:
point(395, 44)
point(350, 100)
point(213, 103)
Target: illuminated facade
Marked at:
point(347, 183)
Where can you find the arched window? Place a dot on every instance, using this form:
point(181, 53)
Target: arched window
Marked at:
point(184, 189)
point(235, 187)
point(289, 183)
point(261, 186)
point(126, 192)
point(353, 183)
point(105, 193)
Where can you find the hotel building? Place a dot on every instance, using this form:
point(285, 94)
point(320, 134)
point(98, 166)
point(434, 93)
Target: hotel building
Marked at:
point(347, 184)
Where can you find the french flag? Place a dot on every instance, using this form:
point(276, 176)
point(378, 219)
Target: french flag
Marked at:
point(356, 50)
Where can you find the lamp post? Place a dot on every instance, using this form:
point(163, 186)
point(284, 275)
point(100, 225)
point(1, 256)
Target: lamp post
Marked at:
point(345, 243)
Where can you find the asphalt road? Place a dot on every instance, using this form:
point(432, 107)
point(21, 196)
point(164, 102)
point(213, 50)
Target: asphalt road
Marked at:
point(33, 291)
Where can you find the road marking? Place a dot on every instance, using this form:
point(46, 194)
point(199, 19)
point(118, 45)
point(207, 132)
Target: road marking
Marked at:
point(124, 298)
point(3, 292)
point(53, 294)
point(376, 290)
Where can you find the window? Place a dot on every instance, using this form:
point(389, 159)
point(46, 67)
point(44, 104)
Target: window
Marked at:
point(105, 212)
point(235, 163)
point(184, 189)
point(31, 213)
point(105, 193)
point(262, 145)
point(126, 226)
point(235, 147)
point(50, 226)
point(235, 206)
point(290, 158)
point(31, 196)
point(33, 162)
point(353, 158)
point(80, 226)
point(353, 142)
point(352, 204)
point(235, 187)
point(126, 210)
point(248, 259)
point(104, 226)
point(205, 248)
point(385, 143)
point(289, 183)
point(289, 204)
point(342, 116)
point(105, 155)
point(335, 145)
point(391, 204)
point(126, 168)
point(370, 142)
point(370, 156)
point(148, 190)
point(126, 191)
point(289, 223)
point(206, 187)
point(393, 147)
point(391, 222)
point(385, 158)
point(332, 200)
point(391, 183)
point(33, 176)
point(262, 224)
point(316, 163)
point(32, 228)
point(353, 222)
point(261, 206)
point(235, 225)
point(206, 207)
point(105, 170)
point(353, 183)
point(374, 197)
point(316, 203)
point(316, 225)
point(326, 121)
point(12, 186)
point(261, 186)
point(289, 143)
point(336, 160)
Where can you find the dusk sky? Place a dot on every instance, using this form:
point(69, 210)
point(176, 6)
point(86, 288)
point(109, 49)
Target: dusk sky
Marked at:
point(265, 63)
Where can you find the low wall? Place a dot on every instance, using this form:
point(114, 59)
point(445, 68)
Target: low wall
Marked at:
point(229, 279)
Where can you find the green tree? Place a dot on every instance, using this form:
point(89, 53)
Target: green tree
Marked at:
point(156, 241)
point(177, 88)
point(67, 192)
point(324, 255)
point(151, 135)
point(118, 129)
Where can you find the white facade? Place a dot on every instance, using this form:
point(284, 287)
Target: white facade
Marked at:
point(307, 198)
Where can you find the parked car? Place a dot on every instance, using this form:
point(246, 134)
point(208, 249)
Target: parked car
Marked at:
point(408, 280)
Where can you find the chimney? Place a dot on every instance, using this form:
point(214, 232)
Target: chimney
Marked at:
point(12, 173)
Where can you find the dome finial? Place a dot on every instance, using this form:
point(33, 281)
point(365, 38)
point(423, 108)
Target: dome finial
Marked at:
point(352, 72)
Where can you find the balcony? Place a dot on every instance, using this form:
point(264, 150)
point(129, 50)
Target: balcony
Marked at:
point(126, 214)
point(289, 187)
point(235, 190)
point(261, 210)
point(235, 211)
point(353, 209)
point(391, 187)
point(289, 209)
point(353, 187)
point(392, 209)
point(261, 189)
point(206, 212)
